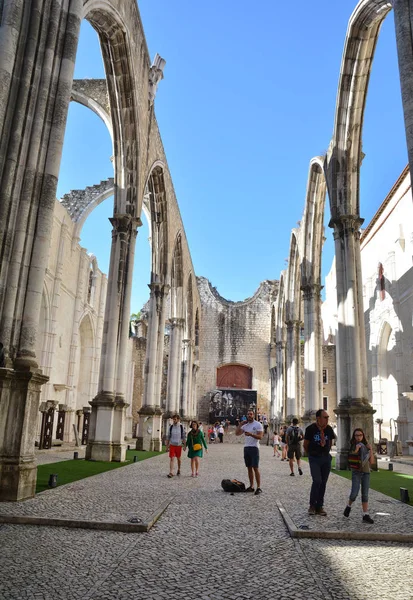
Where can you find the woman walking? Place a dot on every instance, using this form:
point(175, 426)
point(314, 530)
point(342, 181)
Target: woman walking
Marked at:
point(360, 458)
point(195, 441)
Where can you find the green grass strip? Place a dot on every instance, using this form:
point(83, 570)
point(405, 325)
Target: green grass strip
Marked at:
point(386, 482)
point(73, 470)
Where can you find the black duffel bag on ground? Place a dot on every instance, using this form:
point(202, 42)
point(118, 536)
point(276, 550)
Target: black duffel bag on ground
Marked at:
point(232, 485)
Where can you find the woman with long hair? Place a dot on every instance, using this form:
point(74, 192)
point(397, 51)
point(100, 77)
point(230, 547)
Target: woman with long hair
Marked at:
point(360, 458)
point(195, 442)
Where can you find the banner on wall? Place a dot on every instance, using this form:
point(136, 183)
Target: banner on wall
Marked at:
point(230, 404)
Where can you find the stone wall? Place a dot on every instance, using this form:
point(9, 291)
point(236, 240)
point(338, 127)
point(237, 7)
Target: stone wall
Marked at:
point(235, 332)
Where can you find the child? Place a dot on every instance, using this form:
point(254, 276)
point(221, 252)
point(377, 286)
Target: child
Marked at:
point(276, 444)
point(359, 445)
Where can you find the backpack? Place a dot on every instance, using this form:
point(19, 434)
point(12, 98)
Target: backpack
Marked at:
point(232, 485)
point(294, 437)
point(182, 431)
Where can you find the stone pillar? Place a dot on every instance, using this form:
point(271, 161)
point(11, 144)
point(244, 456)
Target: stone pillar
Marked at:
point(37, 57)
point(293, 366)
point(174, 366)
point(281, 395)
point(403, 20)
point(19, 404)
point(184, 380)
point(160, 345)
point(313, 361)
point(354, 409)
point(150, 415)
point(107, 423)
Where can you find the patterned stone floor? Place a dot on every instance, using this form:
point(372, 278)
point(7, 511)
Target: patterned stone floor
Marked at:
point(207, 545)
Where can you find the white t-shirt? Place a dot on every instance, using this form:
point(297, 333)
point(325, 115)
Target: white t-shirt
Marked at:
point(254, 427)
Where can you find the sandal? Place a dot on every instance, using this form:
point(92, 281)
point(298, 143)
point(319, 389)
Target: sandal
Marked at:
point(170, 475)
point(178, 473)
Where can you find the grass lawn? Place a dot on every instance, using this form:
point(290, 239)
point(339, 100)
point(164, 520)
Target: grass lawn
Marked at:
point(73, 470)
point(386, 482)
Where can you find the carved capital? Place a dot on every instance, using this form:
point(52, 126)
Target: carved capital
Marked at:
point(346, 226)
point(311, 291)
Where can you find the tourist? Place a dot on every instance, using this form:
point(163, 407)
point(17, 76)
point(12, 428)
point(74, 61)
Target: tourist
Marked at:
point(195, 443)
point(175, 440)
point(318, 439)
point(276, 444)
point(221, 433)
point(293, 436)
point(360, 463)
point(283, 444)
point(253, 432)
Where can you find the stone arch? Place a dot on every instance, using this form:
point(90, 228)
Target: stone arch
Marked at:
point(86, 352)
point(312, 224)
point(89, 99)
point(344, 156)
point(293, 295)
point(114, 36)
point(157, 206)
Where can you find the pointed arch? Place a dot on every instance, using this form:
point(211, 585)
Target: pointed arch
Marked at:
point(342, 165)
point(114, 36)
point(313, 224)
point(157, 206)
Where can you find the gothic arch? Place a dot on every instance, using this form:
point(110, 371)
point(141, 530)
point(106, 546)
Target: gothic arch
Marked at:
point(312, 224)
point(342, 165)
point(114, 36)
point(293, 293)
point(157, 204)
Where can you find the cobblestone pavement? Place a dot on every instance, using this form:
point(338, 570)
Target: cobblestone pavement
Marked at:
point(207, 545)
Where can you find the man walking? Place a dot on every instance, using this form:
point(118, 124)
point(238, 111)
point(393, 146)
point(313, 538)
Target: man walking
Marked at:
point(294, 435)
point(253, 432)
point(174, 443)
point(318, 439)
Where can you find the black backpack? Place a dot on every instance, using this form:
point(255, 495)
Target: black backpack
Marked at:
point(293, 437)
point(232, 485)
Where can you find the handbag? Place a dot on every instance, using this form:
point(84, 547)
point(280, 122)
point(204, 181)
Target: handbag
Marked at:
point(354, 461)
point(196, 447)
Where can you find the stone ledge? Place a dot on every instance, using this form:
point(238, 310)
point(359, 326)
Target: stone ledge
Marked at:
point(370, 536)
point(86, 524)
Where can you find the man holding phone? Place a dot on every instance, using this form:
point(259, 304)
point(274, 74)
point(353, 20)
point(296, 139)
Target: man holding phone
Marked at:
point(253, 432)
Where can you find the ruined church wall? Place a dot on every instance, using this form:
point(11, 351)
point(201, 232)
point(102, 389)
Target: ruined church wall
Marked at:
point(234, 332)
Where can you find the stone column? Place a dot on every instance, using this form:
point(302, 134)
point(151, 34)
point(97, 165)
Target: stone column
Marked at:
point(107, 423)
point(150, 415)
point(37, 57)
point(313, 362)
point(281, 395)
point(354, 409)
point(19, 395)
point(174, 366)
point(127, 226)
point(293, 366)
point(185, 377)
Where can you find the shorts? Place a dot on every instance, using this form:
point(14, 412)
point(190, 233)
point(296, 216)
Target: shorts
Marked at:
point(175, 451)
point(251, 456)
point(294, 450)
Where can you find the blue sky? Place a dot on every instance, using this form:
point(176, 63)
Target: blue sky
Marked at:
point(247, 100)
